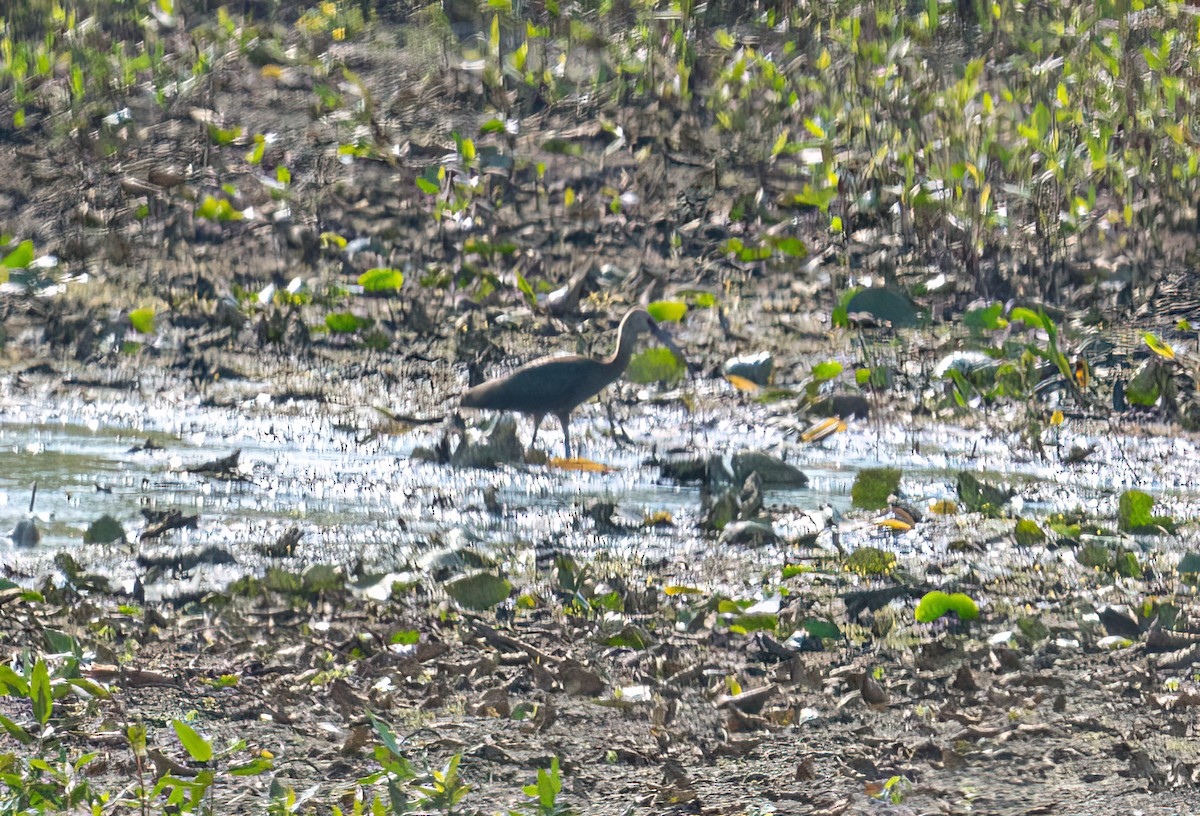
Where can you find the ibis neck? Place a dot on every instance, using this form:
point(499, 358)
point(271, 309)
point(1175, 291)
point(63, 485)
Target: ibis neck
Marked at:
point(619, 359)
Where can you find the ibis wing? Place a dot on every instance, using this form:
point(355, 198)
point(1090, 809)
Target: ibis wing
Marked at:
point(545, 387)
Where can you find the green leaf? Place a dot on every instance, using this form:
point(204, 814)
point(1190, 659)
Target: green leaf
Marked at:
point(479, 591)
point(218, 209)
point(823, 372)
point(1134, 509)
point(142, 320)
point(655, 365)
point(15, 731)
point(790, 245)
point(821, 628)
point(428, 186)
point(884, 303)
point(19, 258)
point(197, 746)
point(937, 603)
point(492, 126)
point(755, 623)
point(526, 290)
point(405, 637)
point(12, 683)
point(39, 692)
point(381, 280)
point(1029, 317)
point(222, 136)
point(666, 311)
point(990, 318)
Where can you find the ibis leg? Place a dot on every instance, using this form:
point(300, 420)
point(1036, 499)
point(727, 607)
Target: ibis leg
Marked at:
point(537, 423)
point(565, 421)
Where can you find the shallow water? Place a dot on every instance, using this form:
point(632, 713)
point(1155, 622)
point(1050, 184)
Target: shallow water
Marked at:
point(360, 500)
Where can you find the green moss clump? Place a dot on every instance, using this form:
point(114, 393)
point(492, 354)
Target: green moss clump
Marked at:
point(869, 561)
point(1028, 533)
point(873, 486)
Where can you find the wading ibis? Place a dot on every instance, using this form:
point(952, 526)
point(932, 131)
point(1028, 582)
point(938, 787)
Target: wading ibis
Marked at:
point(558, 385)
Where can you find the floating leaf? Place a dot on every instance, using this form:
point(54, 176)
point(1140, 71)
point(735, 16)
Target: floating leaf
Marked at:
point(822, 429)
point(381, 280)
point(1134, 509)
point(142, 320)
point(1190, 563)
point(479, 591)
point(979, 496)
point(1145, 386)
point(104, 530)
point(821, 628)
point(667, 311)
point(883, 303)
point(656, 365)
point(742, 384)
point(937, 603)
point(579, 465)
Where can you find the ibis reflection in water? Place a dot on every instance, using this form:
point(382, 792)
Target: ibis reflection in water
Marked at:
point(558, 385)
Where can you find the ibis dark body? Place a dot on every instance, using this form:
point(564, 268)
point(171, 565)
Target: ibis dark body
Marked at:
point(559, 385)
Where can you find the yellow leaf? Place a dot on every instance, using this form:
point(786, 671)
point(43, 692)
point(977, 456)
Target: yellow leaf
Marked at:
point(823, 429)
point(271, 71)
point(741, 383)
point(655, 519)
point(896, 524)
point(824, 61)
point(569, 197)
point(682, 590)
point(944, 507)
point(577, 464)
point(1157, 345)
point(1056, 418)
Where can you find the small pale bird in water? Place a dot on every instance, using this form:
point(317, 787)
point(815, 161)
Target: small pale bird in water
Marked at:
point(558, 385)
